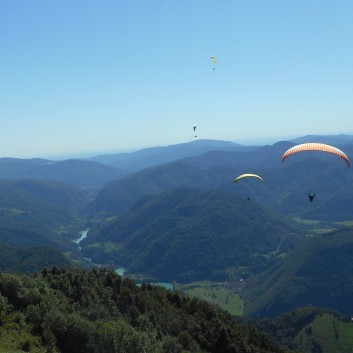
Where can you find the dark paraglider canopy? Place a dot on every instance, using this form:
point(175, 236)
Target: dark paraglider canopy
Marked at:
point(194, 128)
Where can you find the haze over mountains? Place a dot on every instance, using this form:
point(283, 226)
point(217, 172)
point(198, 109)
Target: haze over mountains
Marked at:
point(285, 188)
point(159, 155)
point(174, 213)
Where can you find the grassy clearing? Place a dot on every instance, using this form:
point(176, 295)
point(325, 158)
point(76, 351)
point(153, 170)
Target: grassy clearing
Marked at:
point(306, 221)
point(322, 227)
point(345, 223)
point(324, 224)
point(332, 334)
point(107, 247)
point(223, 294)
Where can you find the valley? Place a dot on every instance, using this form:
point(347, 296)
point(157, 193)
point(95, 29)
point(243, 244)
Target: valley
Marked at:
point(254, 248)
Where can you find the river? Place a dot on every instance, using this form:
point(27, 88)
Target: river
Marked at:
point(83, 235)
point(121, 270)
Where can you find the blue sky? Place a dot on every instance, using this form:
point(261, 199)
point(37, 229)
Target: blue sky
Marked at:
point(87, 76)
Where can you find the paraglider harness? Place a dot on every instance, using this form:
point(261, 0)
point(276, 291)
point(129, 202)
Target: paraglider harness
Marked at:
point(311, 197)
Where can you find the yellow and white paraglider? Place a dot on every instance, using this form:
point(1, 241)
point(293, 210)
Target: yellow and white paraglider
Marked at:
point(215, 60)
point(247, 175)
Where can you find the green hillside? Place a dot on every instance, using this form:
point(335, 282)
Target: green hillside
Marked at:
point(189, 234)
point(39, 212)
point(310, 330)
point(74, 311)
point(224, 294)
point(318, 272)
point(327, 333)
point(30, 259)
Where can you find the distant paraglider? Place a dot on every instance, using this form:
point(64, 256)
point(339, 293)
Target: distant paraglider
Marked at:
point(311, 146)
point(194, 128)
point(311, 197)
point(246, 175)
point(215, 61)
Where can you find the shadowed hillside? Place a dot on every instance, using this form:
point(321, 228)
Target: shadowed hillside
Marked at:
point(39, 212)
point(30, 259)
point(318, 272)
point(192, 234)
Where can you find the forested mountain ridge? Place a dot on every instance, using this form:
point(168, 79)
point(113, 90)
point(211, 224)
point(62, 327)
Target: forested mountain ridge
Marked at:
point(318, 272)
point(148, 157)
point(285, 187)
point(71, 311)
point(339, 139)
point(30, 259)
point(189, 234)
point(83, 174)
point(39, 212)
point(53, 192)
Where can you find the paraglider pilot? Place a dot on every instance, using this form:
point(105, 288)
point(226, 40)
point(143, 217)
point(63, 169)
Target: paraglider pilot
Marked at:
point(311, 197)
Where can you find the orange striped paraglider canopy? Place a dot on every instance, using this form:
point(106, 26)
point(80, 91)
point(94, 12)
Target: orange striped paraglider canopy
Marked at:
point(312, 146)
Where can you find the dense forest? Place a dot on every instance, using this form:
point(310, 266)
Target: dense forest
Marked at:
point(318, 272)
point(73, 310)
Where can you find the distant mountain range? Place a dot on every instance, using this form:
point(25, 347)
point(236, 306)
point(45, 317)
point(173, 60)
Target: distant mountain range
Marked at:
point(152, 156)
point(94, 172)
point(83, 174)
point(285, 187)
point(341, 139)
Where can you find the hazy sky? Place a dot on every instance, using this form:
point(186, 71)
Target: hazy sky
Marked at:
point(98, 76)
